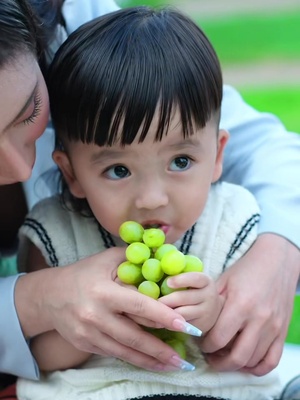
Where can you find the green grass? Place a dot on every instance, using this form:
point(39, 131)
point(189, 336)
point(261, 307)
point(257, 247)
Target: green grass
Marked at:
point(281, 101)
point(245, 38)
point(133, 3)
point(253, 38)
point(293, 335)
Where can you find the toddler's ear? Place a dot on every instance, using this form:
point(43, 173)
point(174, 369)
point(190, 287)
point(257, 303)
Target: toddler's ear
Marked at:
point(223, 137)
point(64, 164)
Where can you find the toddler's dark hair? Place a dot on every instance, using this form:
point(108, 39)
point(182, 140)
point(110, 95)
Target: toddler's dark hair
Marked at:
point(112, 74)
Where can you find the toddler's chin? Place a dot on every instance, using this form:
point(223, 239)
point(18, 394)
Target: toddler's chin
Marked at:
point(172, 236)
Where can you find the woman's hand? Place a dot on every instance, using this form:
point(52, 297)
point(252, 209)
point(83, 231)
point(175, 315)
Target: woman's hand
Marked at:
point(84, 304)
point(259, 292)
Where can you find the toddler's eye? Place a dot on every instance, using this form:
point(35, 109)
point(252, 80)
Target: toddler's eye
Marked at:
point(180, 163)
point(117, 172)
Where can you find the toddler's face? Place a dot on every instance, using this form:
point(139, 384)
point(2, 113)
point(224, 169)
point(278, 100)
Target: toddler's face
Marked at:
point(164, 183)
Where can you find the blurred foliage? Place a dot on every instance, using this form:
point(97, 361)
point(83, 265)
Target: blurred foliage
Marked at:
point(293, 335)
point(245, 38)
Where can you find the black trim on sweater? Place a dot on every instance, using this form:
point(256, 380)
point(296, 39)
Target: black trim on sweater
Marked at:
point(241, 236)
point(187, 240)
point(44, 238)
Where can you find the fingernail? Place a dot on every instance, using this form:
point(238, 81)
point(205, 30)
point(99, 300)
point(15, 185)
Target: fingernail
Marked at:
point(185, 327)
point(182, 364)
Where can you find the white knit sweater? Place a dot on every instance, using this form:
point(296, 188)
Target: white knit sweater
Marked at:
point(223, 233)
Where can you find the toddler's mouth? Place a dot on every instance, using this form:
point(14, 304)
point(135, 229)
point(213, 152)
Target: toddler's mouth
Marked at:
point(163, 226)
point(149, 226)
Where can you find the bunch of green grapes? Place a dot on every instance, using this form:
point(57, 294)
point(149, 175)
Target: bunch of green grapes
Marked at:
point(149, 263)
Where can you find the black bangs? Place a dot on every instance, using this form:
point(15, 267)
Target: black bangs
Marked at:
point(113, 74)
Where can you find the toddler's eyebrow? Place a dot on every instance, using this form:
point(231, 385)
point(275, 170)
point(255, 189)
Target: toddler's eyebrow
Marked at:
point(109, 154)
point(188, 142)
point(24, 108)
point(105, 154)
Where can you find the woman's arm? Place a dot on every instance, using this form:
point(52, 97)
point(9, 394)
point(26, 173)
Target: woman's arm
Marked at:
point(259, 290)
point(16, 357)
point(259, 293)
point(50, 350)
point(264, 157)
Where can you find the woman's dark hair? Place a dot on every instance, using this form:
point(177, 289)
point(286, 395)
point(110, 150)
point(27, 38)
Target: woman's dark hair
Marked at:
point(112, 74)
point(20, 30)
point(50, 16)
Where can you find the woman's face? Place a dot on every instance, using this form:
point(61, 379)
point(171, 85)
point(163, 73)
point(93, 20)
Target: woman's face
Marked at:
point(24, 113)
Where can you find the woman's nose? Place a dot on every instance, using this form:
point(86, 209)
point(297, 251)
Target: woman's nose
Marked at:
point(20, 162)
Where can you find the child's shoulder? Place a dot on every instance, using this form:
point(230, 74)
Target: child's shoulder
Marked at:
point(238, 218)
point(48, 203)
point(235, 206)
point(47, 213)
point(234, 196)
point(50, 207)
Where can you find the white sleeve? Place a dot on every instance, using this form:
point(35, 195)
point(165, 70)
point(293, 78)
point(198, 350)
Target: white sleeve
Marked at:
point(263, 157)
point(77, 12)
point(16, 357)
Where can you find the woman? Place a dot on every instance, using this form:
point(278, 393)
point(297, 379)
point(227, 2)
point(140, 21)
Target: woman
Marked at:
point(92, 315)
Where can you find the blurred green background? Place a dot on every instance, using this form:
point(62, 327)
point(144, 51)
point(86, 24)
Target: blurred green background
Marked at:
point(259, 50)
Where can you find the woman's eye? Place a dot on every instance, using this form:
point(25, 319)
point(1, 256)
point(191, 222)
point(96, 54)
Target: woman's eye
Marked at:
point(180, 163)
point(117, 172)
point(37, 106)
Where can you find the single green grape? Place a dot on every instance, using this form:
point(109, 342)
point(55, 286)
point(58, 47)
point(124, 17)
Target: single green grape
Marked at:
point(165, 289)
point(131, 231)
point(160, 333)
point(151, 270)
point(137, 253)
point(154, 237)
point(192, 264)
point(183, 337)
point(163, 249)
point(173, 262)
point(178, 346)
point(150, 289)
point(130, 273)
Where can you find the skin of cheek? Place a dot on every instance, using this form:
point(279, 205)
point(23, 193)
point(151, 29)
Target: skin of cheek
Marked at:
point(17, 147)
point(114, 202)
point(106, 200)
point(110, 207)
